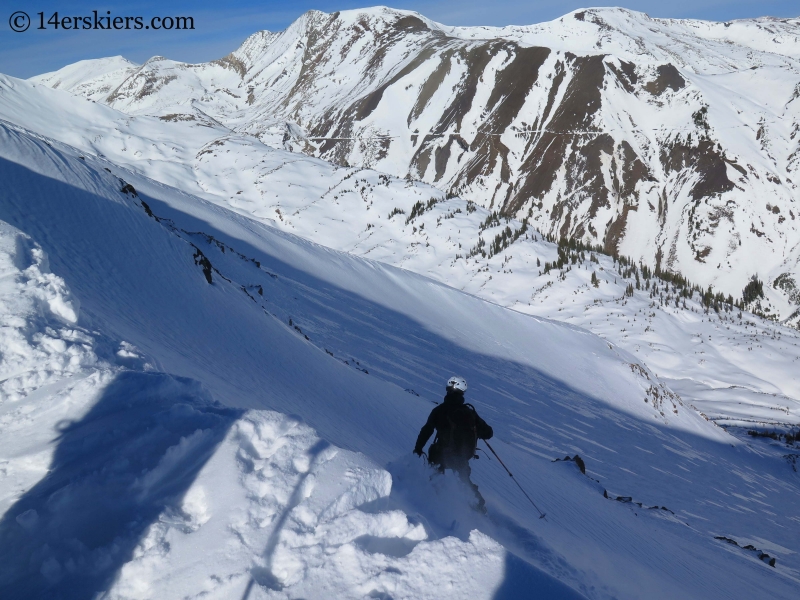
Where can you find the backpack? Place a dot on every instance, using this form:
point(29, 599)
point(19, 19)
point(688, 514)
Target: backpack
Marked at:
point(460, 439)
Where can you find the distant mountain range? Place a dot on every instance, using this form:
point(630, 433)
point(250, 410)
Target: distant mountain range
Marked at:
point(674, 142)
point(232, 293)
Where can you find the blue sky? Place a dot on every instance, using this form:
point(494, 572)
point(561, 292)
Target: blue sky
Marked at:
point(219, 29)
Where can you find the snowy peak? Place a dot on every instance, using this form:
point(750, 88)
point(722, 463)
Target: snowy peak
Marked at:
point(656, 139)
point(93, 79)
point(699, 45)
point(207, 328)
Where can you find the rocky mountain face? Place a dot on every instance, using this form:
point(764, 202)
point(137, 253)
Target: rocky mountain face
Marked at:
point(672, 142)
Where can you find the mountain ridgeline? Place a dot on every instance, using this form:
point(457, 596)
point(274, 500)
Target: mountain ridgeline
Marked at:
point(671, 142)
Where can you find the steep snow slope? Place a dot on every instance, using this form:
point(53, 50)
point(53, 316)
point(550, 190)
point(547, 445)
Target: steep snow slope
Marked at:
point(670, 141)
point(369, 214)
point(151, 489)
point(261, 320)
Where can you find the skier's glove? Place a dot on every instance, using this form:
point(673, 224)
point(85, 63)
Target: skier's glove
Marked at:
point(418, 451)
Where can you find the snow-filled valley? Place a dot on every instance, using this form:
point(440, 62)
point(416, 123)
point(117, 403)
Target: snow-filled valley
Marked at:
point(671, 141)
point(366, 213)
point(216, 356)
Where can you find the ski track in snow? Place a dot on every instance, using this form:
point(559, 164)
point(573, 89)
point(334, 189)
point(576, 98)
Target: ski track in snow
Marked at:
point(737, 371)
point(175, 472)
point(107, 465)
point(165, 437)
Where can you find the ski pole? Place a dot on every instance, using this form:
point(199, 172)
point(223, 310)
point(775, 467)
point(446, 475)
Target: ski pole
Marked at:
point(541, 514)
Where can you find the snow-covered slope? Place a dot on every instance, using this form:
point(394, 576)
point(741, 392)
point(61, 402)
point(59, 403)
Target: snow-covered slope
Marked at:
point(87, 77)
point(166, 474)
point(378, 216)
point(149, 478)
point(671, 141)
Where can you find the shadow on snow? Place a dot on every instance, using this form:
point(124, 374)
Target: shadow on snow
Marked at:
point(532, 412)
point(113, 474)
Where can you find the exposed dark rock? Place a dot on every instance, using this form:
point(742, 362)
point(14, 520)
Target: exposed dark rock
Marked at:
point(626, 75)
point(576, 459)
point(476, 59)
point(370, 102)
point(232, 63)
point(441, 157)
point(205, 264)
point(431, 84)
point(581, 465)
point(511, 86)
point(761, 555)
point(549, 150)
point(411, 23)
point(629, 500)
point(127, 188)
point(705, 159)
point(667, 77)
point(147, 210)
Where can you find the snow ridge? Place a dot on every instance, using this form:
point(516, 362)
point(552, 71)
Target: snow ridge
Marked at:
point(336, 340)
point(182, 483)
point(651, 137)
point(229, 409)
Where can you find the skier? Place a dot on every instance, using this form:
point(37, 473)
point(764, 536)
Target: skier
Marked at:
point(458, 428)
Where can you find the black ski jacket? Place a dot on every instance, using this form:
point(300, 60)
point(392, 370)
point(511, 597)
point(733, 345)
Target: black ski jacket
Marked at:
point(438, 420)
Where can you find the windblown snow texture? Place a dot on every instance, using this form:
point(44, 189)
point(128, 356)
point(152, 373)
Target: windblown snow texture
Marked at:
point(736, 369)
point(225, 413)
point(212, 370)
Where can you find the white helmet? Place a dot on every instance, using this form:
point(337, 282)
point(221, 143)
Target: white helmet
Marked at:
point(457, 383)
